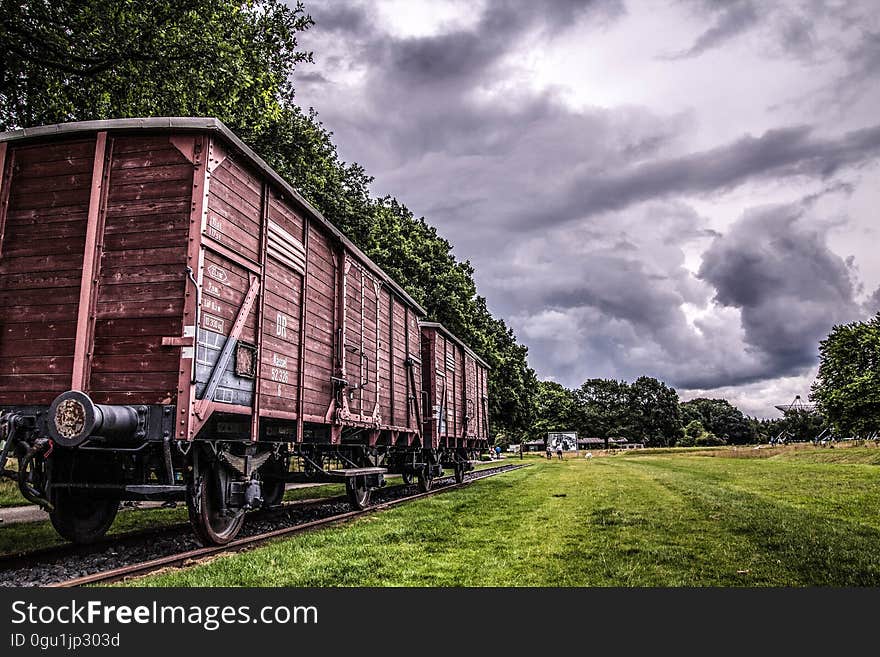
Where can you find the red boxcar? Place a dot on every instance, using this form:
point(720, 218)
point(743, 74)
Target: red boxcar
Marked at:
point(456, 382)
point(181, 324)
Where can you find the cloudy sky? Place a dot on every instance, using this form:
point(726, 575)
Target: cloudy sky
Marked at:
point(686, 189)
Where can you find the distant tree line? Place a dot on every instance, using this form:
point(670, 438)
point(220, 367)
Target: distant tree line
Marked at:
point(846, 393)
point(650, 412)
point(646, 411)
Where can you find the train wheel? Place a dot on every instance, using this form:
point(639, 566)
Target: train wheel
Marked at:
point(203, 502)
point(425, 480)
point(407, 477)
point(358, 492)
point(459, 473)
point(274, 489)
point(81, 517)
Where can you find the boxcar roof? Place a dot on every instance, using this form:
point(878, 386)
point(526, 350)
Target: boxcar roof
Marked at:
point(454, 338)
point(216, 126)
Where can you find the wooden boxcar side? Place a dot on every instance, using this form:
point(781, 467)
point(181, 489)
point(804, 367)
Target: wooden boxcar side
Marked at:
point(132, 251)
point(456, 382)
point(331, 323)
point(92, 254)
point(161, 285)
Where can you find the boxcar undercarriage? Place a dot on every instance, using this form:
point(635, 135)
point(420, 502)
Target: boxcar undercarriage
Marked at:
point(79, 460)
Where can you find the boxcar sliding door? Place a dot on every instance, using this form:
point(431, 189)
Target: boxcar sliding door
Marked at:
point(360, 343)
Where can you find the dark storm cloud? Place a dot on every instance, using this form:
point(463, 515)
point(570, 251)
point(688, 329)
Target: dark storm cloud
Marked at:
point(789, 286)
point(816, 33)
point(467, 54)
point(872, 304)
point(778, 153)
point(311, 77)
point(730, 20)
point(605, 312)
point(459, 54)
point(333, 17)
point(419, 101)
point(577, 218)
point(797, 36)
point(789, 28)
point(588, 307)
point(863, 67)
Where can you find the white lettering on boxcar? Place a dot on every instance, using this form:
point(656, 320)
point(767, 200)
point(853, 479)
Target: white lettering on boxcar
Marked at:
point(215, 227)
point(212, 289)
point(217, 273)
point(212, 305)
point(281, 326)
point(278, 375)
point(278, 361)
point(213, 323)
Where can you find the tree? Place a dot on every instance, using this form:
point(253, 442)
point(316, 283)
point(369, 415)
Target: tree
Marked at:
point(763, 429)
point(554, 408)
point(696, 435)
point(708, 439)
point(654, 412)
point(601, 408)
point(692, 431)
point(847, 388)
point(720, 417)
point(67, 60)
point(803, 424)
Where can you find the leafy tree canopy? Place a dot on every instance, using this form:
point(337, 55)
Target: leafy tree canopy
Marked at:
point(847, 388)
point(720, 417)
point(555, 406)
point(601, 408)
point(654, 411)
point(69, 60)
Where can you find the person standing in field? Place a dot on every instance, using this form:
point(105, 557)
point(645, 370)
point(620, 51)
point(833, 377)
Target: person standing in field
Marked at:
point(559, 451)
point(549, 454)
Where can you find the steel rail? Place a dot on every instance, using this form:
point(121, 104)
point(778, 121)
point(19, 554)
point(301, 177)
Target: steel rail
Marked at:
point(22, 559)
point(241, 544)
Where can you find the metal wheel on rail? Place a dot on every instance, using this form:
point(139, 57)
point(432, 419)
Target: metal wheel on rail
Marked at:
point(273, 485)
point(358, 492)
point(407, 477)
point(81, 517)
point(211, 525)
point(425, 480)
point(459, 472)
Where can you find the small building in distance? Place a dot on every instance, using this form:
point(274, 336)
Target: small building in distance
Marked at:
point(623, 443)
point(591, 442)
point(534, 445)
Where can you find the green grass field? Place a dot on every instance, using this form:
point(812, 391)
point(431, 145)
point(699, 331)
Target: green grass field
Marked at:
point(9, 495)
point(769, 517)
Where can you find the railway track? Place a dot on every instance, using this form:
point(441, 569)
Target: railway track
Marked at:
point(140, 553)
point(25, 558)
